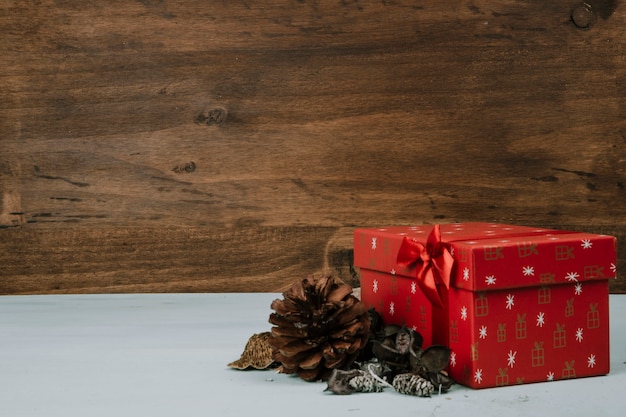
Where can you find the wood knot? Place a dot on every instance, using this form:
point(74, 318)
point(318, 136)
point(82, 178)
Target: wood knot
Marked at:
point(216, 116)
point(186, 168)
point(583, 16)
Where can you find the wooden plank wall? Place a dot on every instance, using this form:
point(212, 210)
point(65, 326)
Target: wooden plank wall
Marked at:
point(157, 146)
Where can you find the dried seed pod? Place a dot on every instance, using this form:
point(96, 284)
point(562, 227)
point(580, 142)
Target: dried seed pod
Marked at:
point(339, 381)
point(257, 354)
point(386, 353)
point(435, 358)
point(441, 380)
point(412, 384)
point(431, 365)
point(403, 340)
point(398, 348)
point(390, 330)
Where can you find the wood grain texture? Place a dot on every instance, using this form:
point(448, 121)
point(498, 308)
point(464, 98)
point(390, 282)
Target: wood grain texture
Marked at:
point(235, 145)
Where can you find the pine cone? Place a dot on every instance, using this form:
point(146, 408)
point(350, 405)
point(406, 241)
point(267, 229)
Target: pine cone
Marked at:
point(318, 326)
point(412, 384)
point(365, 383)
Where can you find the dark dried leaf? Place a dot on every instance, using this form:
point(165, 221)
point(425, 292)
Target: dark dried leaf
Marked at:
point(390, 330)
point(435, 358)
point(415, 361)
point(386, 353)
point(339, 381)
point(441, 379)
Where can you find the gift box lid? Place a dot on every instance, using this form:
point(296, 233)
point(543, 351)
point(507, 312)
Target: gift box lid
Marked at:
point(537, 260)
point(492, 256)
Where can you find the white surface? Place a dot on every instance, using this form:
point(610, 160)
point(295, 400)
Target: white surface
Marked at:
point(166, 355)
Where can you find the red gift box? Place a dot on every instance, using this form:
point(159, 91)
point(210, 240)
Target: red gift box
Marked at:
point(515, 304)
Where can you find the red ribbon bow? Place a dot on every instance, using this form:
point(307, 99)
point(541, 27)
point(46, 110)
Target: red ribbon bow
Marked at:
point(433, 264)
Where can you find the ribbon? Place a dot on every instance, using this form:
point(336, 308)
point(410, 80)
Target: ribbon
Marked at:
point(433, 264)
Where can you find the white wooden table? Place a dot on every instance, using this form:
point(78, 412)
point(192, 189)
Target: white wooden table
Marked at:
point(166, 354)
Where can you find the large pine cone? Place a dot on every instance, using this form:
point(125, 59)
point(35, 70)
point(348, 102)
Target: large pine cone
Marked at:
point(318, 326)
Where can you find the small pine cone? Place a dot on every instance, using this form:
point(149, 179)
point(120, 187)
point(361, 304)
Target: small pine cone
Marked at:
point(318, 326)
point(412, 384)
point(365, 383)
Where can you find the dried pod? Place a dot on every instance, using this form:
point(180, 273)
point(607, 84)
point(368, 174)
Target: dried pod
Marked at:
point(435, 358)
point(403, 340)
point(339, 381)
point(398, 349)
point(257, 354)
point(441, 380)
point(387, 353)
point(390, 330)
